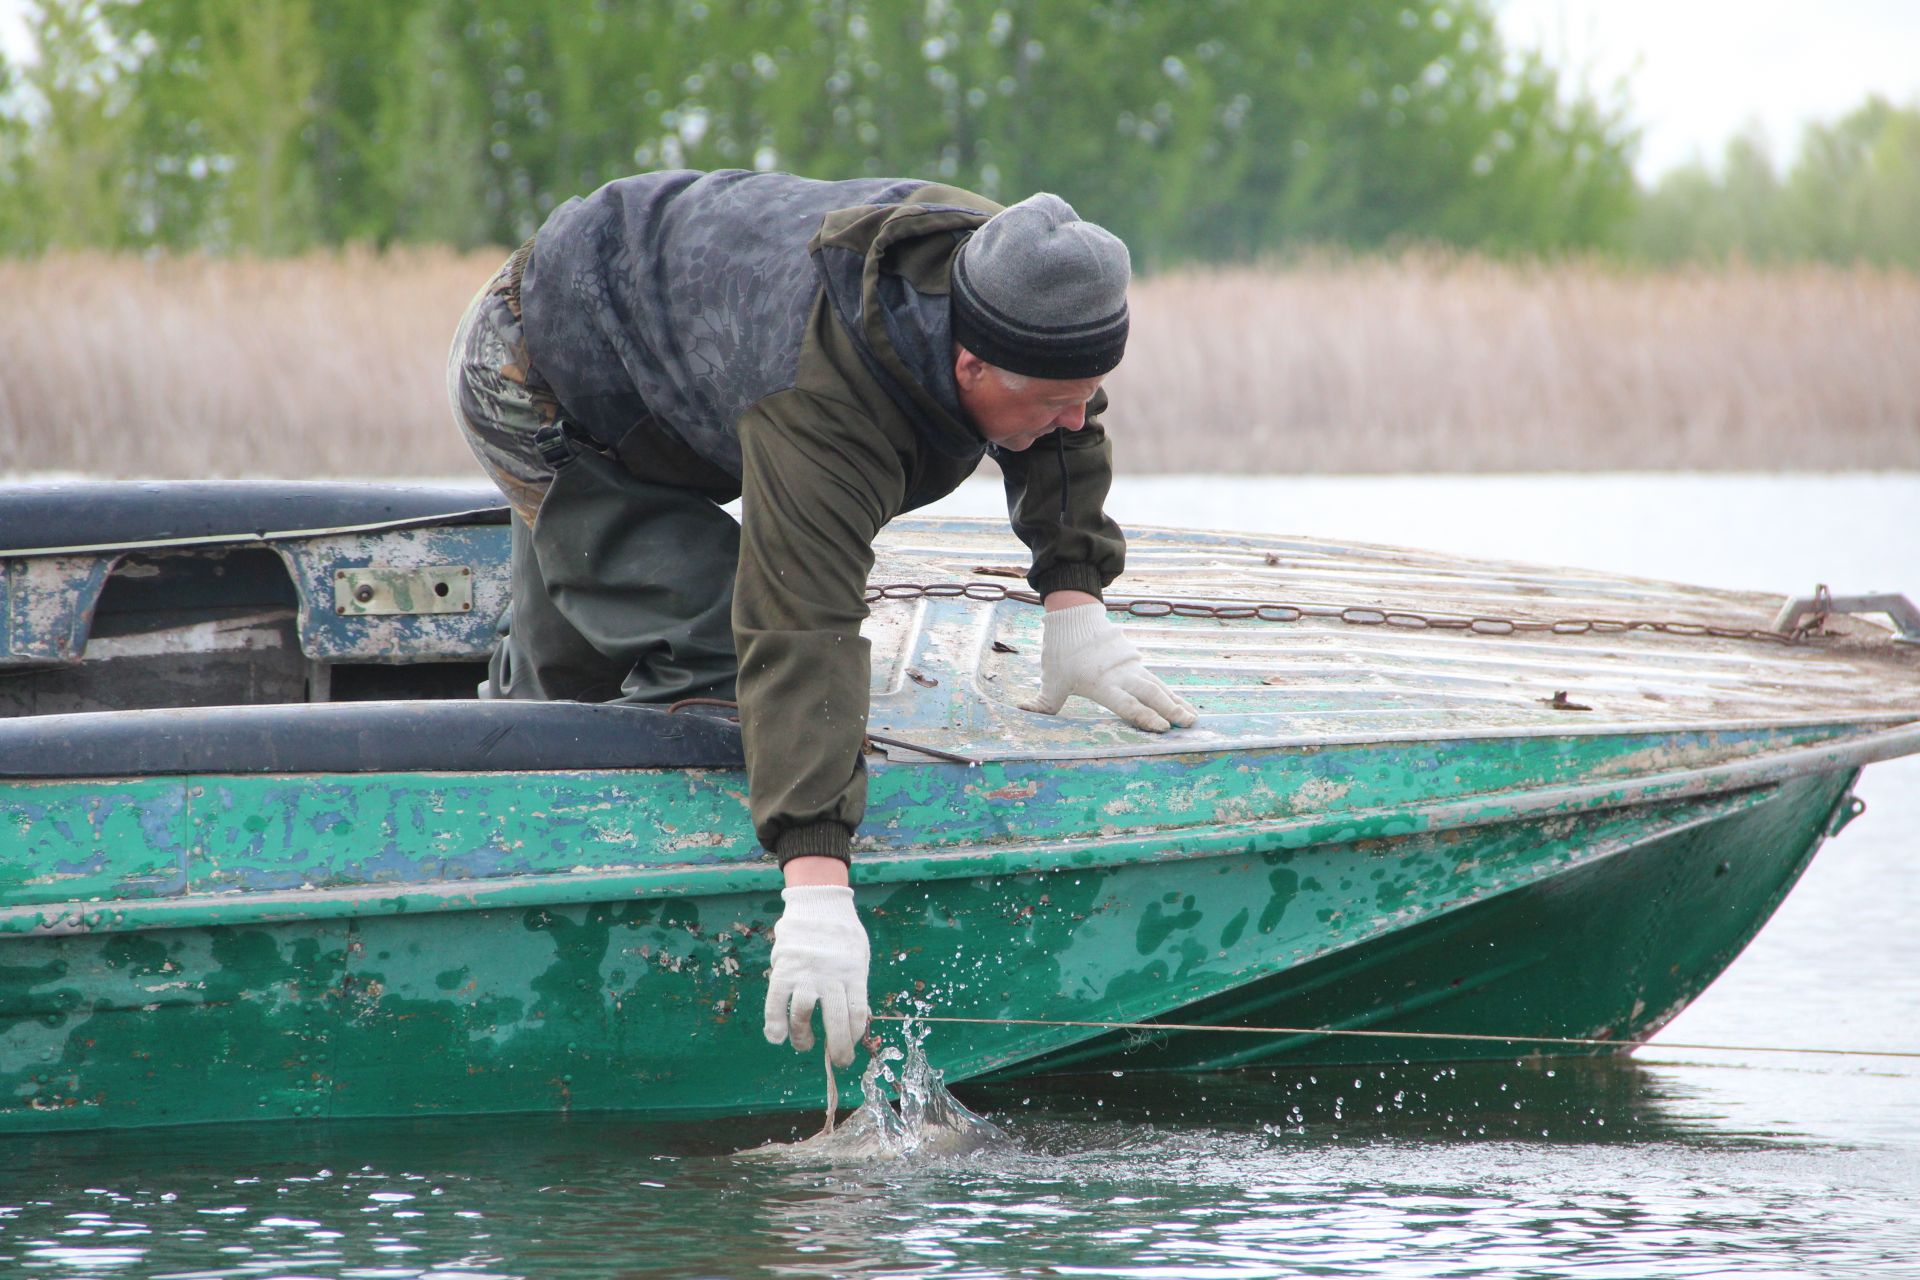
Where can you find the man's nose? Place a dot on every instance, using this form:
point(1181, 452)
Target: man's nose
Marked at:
point(1071, 418)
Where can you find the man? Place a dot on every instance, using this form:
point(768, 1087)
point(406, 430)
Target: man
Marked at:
point(833, 354)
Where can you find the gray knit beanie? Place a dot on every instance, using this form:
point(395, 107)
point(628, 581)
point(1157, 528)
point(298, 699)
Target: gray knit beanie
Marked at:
point(1038, 292)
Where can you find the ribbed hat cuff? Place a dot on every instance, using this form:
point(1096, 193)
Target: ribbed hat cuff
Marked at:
point(1067, 357)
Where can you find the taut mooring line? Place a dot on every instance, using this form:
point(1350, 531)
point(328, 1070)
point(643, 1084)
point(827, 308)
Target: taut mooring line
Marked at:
point(1395, 1035)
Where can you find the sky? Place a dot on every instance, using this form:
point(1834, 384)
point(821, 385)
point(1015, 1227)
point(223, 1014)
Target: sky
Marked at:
point(1698, 71)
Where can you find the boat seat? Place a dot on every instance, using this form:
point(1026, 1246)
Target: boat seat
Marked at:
point(440, 736)
point(38, 517)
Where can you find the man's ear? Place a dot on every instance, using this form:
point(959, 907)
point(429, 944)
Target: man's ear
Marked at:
point(968, 368)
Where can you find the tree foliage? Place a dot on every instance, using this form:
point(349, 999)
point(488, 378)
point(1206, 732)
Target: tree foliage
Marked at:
point(1851, 193)
point(1199, 129)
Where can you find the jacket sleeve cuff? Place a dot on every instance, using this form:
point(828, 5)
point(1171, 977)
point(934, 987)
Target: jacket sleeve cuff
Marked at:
point(1068, 577)
point(815, 840)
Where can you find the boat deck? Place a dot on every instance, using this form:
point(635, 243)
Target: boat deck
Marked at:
point(1378, 675)
point(1356, 643)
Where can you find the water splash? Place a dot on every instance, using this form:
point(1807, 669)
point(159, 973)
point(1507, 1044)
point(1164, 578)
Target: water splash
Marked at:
point(928, 1121)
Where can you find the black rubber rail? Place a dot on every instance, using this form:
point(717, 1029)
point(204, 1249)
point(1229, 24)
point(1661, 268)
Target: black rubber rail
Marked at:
point(107, 515)
point(451, 735)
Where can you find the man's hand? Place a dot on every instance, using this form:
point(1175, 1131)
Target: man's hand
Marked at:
point(820, 955)
point(1084, 652)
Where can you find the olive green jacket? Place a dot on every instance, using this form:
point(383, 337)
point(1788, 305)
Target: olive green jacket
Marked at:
point(862, 423)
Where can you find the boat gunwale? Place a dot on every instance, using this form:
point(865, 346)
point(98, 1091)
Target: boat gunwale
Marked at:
point(1288, 835)
point(1167, 744)
point(974, 751)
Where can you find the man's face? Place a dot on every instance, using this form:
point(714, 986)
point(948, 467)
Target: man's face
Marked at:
point(1014, 413)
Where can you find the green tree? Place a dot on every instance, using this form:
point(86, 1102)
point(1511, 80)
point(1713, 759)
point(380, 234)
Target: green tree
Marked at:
point(1851, 193)
point(230, 94)
point(1207, 128)
point(429, 145)
point(1890, 204)
point(19, 229)
point(74, 121)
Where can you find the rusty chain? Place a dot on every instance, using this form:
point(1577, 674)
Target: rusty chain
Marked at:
point(1353, 615)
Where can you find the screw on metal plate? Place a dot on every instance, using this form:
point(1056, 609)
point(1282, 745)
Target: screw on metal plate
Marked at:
point(377, 590)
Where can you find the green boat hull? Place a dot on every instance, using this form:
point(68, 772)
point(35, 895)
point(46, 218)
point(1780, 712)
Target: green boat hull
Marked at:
point(263, 855)
point(372, 950)
point(1610, 950)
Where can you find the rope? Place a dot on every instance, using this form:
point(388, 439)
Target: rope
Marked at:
point(935, 752)
point(1399, 1035)
point(833, 1091)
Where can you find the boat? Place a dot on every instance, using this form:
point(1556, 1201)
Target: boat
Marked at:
point(265, 855)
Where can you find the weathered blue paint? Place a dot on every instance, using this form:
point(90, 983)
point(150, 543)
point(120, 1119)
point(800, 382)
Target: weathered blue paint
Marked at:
point(48, 607)
point(334, 637)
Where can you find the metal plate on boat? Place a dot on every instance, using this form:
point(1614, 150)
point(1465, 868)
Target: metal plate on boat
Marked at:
point(378, 590)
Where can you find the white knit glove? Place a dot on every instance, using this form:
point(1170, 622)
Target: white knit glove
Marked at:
point(820, 956)
point(1084, 652)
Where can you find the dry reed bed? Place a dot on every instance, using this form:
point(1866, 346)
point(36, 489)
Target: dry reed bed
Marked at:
point(333, 365)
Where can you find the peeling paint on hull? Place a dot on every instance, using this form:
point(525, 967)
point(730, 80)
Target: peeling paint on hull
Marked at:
point(176, 1000)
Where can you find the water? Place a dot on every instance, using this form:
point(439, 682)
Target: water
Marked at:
point(902, 1116)
point(1677, 1164)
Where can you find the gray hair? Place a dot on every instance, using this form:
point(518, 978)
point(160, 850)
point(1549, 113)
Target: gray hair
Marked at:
point(1009, 379)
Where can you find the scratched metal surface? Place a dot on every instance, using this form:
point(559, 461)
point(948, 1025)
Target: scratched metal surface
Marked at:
point(1326, 681)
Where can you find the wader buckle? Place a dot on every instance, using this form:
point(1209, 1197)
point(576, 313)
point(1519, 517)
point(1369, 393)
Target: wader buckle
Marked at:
point(558, 442)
